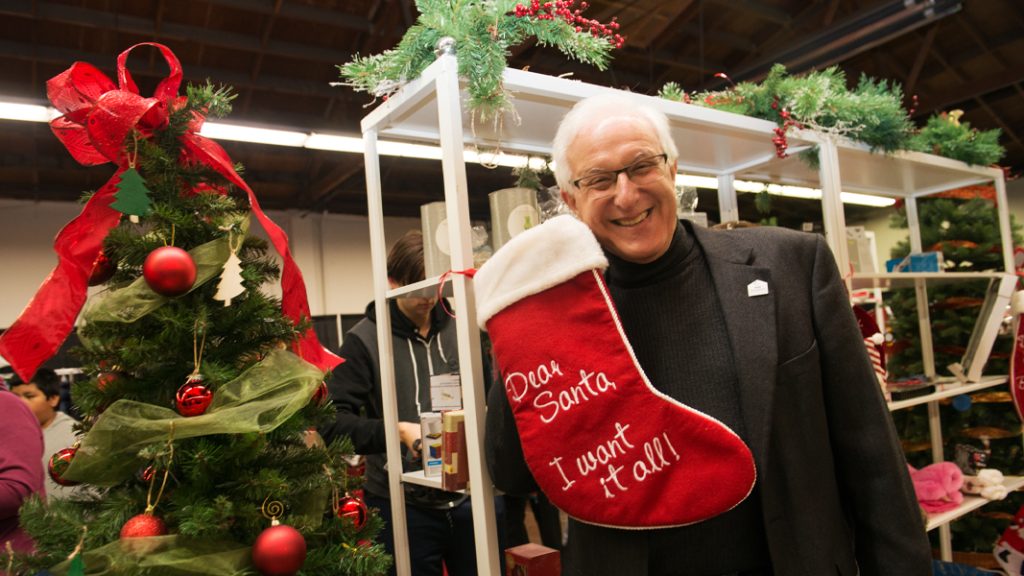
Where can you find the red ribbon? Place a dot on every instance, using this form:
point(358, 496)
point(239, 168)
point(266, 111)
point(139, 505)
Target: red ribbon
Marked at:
point(468, 273)
point(97, 118)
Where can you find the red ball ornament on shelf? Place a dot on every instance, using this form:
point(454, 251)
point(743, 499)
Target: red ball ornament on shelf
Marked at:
point(279, 551)
point(143, 525)
point(354, 509)
point(193, 398)
point(169, 271)
point(59, 463)
point(102, 270)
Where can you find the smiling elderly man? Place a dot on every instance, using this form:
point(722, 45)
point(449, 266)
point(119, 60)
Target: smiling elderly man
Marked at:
point(783, 366)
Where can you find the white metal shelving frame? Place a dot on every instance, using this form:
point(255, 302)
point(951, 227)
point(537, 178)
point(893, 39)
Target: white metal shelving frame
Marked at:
point(429, 110)
point(711, 143)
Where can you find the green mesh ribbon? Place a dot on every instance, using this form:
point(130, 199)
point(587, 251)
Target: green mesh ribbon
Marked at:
point(165, 555)
point(134, 301)
point(259, 400)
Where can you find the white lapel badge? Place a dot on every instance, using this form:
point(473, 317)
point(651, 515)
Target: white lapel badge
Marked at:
point(757, 288)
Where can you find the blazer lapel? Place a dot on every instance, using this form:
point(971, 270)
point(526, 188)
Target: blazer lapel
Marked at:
point(750, 322)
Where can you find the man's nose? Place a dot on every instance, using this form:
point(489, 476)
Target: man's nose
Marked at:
point(625, 191)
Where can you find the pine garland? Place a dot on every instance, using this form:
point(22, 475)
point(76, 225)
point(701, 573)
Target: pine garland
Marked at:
point(871, 113)
point(945, 135)
point(483, 31)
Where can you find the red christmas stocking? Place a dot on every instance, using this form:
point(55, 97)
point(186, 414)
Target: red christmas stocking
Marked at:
point(603, 444)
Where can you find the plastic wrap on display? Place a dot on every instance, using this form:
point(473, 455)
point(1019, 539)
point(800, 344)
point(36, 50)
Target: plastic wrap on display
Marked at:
point(551, 204)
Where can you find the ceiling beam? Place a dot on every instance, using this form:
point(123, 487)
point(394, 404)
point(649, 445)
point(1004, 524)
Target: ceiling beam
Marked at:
point(967, 89)
point(98, 19)
point(762, 11)
point(915, 70)
point(735, 41)
point(850, 36)
point(301, 12)
point(657, 21)
point(65, 57)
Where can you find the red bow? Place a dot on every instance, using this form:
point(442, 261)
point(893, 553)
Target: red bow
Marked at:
point(97, 118)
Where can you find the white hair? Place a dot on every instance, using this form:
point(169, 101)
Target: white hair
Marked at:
point(607, 105)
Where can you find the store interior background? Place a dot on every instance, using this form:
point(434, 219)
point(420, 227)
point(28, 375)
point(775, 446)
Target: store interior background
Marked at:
point(280, 57)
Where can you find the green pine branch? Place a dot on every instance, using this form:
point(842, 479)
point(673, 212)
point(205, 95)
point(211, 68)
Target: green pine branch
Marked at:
point(484, 31)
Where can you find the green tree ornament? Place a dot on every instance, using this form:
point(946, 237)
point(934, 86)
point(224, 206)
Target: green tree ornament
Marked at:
point(132, 196)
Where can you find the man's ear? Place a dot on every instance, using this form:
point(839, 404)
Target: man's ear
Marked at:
point(392, 283)
point(569, 199)
point(53, 401)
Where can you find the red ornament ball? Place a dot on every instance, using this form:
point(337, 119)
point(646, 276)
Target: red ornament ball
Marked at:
point(143, 526)
point(279, 551)
point(105, 379)
point(169, 271)
point(59, 463)
point(193, 398)
point(102, 270)
point(354, 509)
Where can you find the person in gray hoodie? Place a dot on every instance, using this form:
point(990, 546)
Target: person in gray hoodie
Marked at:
point(439, 523)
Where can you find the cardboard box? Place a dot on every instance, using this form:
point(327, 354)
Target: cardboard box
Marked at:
point(430, 438)
point(455, 472)
point(532, 560)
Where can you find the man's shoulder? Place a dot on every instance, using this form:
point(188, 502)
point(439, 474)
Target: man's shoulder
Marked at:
point(763, 242)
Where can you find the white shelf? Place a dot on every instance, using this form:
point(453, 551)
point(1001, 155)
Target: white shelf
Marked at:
point(948, 390)
point(728, 142)
point(902, 174)
point(906, 279)
point(970, 503)
point(422, 479)
point(422, 289)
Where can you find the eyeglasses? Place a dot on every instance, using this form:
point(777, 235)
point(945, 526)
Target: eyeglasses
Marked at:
point(642, 171)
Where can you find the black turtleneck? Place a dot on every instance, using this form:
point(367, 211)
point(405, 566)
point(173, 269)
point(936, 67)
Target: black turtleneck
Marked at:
point(673, 319)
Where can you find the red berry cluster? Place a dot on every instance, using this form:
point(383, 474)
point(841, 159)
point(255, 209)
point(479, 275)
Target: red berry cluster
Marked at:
point(780, 131)
point(564, 9)
point(913, 105)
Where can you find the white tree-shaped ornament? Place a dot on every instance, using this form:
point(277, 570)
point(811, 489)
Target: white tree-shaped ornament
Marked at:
point(230, 285)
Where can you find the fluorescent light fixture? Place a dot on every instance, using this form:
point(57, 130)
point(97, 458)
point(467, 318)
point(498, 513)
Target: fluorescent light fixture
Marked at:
point(334, 143)
point(780, 190)
point(27, 112)
point(866, 199)
point(239, 133)
point(354, 145)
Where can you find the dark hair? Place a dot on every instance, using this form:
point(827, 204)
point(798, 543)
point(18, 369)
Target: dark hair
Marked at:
point(405, 259)
point(45, 379)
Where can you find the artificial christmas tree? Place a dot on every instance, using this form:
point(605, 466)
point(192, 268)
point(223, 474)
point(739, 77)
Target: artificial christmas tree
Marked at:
point(200, 393)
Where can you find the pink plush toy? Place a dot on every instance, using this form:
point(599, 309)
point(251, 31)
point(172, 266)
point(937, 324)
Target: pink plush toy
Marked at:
point(938, 486)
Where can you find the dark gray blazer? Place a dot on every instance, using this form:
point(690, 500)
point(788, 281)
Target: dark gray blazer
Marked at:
point(836, 495)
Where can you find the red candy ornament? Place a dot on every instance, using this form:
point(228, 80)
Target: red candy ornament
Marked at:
point(169, 271)
point(279, 550)
point(354, 509)
point(102, 270)
point(144, 525)
point(193, 398)
point(58, 465)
